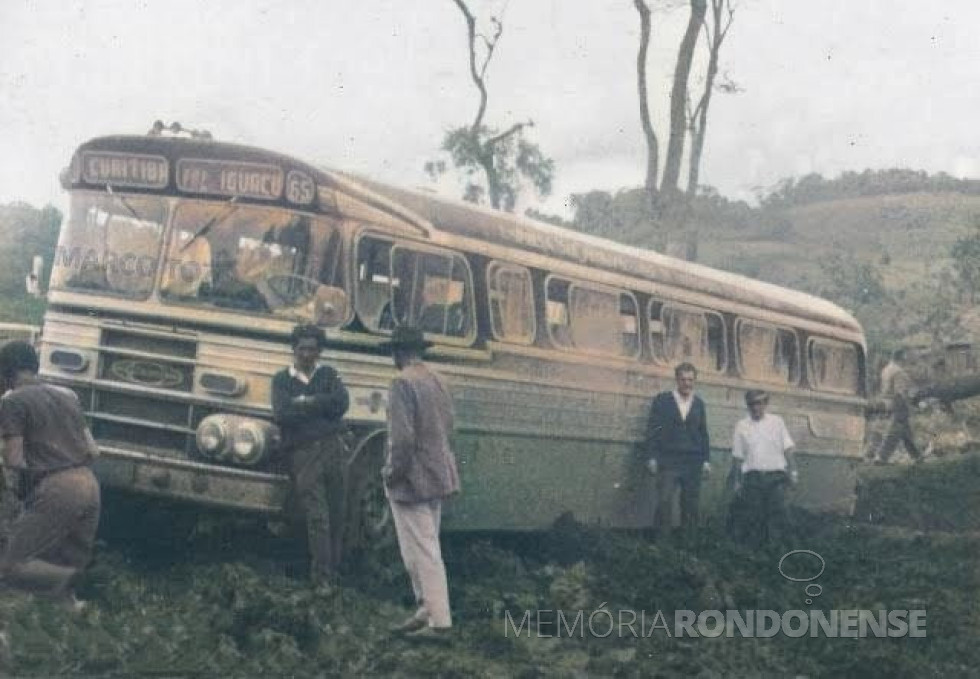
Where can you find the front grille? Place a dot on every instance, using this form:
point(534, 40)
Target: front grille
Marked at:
point(147, 371)
point(149, 343)
point(151, 422)
point(141, 407)
point(136, 436)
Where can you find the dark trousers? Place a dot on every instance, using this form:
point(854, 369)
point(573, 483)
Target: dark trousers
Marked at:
point(317, 471)
point(899, 431)
point(673, 477)
point(758, 511)
point(54, 536)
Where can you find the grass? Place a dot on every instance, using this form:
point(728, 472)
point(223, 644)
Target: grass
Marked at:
point(226, 604)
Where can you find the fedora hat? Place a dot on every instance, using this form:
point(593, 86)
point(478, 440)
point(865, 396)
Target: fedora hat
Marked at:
point(406, 337)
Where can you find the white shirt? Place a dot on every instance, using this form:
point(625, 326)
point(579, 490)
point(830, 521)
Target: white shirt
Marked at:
point(302, 376)
point(761, 444)
point(683, 404)
point(894, 380)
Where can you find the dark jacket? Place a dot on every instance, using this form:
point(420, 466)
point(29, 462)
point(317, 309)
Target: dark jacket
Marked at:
point(318, 416)
point(671, 440)
point(420, 465)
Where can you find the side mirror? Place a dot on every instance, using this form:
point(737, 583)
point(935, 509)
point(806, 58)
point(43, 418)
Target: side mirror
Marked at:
point(33, 281)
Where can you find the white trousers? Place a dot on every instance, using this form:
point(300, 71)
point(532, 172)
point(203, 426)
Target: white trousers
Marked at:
point(417, 527)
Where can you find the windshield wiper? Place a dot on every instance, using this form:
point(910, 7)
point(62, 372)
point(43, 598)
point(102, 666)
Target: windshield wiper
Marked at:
point(230, 209)
point(124, 202)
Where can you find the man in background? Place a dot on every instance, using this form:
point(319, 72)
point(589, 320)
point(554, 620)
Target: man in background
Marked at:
point(308, 403)
point(677, 449)
point(897, 387)
point(420, 472)
point(762, 465)
point(48, 451)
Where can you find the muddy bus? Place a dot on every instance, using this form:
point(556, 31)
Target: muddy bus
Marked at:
point(183, 264)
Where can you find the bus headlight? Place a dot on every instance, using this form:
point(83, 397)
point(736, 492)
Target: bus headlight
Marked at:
point(242, 440)
point(212, 436)
point(249, 444)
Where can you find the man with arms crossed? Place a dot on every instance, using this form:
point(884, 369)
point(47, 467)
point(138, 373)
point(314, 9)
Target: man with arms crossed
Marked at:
point(762, 464)
point(419, 473)
point(677, 449)
point(308, 402)
point(48, 452)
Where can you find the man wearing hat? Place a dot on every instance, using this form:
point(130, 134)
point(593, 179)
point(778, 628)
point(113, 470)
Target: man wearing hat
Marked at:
point(420, 471)
point(762, 464)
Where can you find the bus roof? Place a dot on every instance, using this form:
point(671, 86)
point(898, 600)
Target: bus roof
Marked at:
point(503, 228)
point(420, 209)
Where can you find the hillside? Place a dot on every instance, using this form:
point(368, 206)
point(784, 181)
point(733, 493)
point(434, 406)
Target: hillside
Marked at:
point(907, 236)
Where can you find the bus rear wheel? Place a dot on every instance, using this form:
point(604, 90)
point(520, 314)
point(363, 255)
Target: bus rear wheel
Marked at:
point(369, 526)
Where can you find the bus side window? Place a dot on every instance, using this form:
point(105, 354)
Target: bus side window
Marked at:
point(656, 324)
point(834, 366)
point(511, 298)
point(767, 352)
point(629, 323)
point(556, 312)
point(434, 292)
point(374, 284)
point(694, 336)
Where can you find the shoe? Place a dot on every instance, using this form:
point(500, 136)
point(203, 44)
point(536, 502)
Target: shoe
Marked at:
point(412, 623)
point(433, 634)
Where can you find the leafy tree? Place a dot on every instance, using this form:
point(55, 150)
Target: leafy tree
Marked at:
point(672, 209)
point(25, 231)
point(503, 159)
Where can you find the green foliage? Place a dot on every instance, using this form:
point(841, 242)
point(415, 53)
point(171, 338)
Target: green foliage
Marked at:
point(25, 231)
point(495, 165)
point(201, 613)
point(966, 262)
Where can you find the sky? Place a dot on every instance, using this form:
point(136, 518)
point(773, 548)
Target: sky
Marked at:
point(371, 86)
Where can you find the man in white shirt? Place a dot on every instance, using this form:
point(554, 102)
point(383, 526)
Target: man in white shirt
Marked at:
point(762, 464)
point(897, 388)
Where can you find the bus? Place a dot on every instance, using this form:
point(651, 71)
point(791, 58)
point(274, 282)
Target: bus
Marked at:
point(184, 263)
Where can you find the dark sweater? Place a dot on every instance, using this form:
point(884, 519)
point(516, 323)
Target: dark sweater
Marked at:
point(318, 416)
point(671, 440)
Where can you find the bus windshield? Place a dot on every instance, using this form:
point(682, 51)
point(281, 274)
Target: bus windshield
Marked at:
point(111, 243)
point(255, 259)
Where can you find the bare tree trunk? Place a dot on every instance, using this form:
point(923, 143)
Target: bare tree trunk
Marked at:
point(699, 119)
point(678, 98)
point(653, 149)
point(478, 75)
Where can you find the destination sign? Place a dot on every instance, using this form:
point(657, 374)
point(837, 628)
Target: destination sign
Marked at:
point(229, 178)
point(124, 169)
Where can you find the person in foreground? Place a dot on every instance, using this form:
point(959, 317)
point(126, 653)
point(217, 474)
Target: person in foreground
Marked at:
point(762, 464)
point(308, 403)
point(419, 473)
point(48, 452)
point(677, 448)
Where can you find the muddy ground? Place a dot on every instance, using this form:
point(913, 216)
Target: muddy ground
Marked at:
point(229, 602)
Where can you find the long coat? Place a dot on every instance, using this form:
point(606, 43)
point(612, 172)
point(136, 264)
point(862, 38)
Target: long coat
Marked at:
point(421, 465)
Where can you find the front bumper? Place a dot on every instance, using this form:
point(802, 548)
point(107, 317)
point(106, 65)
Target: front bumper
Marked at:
point(194, 482)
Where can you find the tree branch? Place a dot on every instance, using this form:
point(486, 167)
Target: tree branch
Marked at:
point(512, 130)
point(475, 73)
